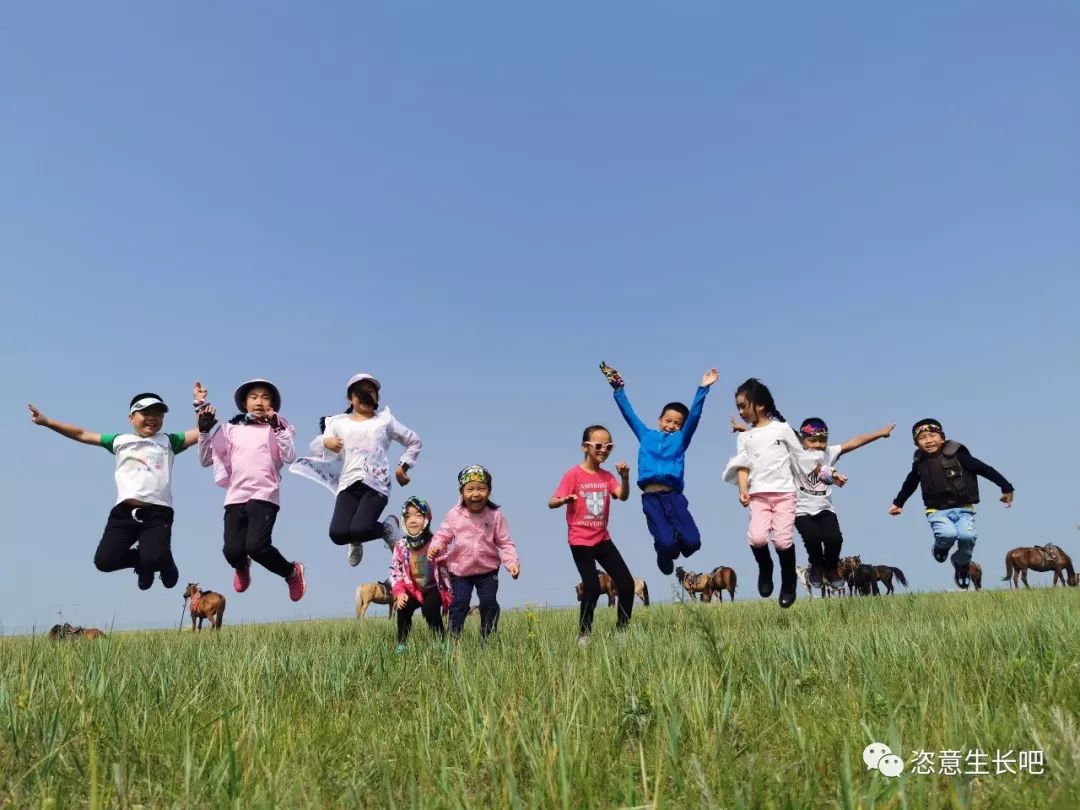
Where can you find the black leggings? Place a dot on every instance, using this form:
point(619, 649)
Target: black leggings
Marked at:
point(431, 608)
point(148, 526)
point(586, 559)
point(248, 527)
point(821, 535)
point(356, 515)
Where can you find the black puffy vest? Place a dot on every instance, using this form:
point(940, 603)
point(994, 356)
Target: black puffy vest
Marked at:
point(945, 483)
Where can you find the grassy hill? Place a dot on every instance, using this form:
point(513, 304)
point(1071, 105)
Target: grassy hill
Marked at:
point(738, 705)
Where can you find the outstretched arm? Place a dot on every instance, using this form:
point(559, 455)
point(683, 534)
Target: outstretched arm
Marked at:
point(866, 438)
point(627, 411)
point(906, 490)
point(71, 431)
point(707, 380)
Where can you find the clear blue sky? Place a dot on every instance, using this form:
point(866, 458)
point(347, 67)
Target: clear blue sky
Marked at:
point(874, 210)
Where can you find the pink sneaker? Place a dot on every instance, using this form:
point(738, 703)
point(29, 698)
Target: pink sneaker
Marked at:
point(296, 582)
point(241, 580)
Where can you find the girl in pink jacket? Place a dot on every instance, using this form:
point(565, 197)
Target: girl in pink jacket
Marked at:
point(476, 538)
point(415, 580)
point(247, 454)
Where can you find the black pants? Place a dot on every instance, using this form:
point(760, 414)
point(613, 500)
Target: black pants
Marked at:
point(586, 559)
point(487, 589)
point(820, 534)
point(148, 526)
point(248, 527)
point(356, 515)
point(430, 608)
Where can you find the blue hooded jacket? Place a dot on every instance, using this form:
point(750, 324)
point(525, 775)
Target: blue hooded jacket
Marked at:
point(661, 456)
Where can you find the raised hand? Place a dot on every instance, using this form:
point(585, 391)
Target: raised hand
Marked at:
point(272, 419)
point(199, 392)
point(207, 418)
point(36, 416)
point(622, 468)
point(709, 377)
point(612, 375)
point(886, 431)
point(737, 426)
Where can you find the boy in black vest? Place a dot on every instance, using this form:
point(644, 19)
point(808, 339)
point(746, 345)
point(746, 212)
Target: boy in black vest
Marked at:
point(947, 472)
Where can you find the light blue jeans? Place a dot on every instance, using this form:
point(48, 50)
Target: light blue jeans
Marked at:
point(954, 526)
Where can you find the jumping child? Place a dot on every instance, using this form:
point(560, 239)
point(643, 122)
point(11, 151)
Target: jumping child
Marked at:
point(586, 491)
point(947, 473)
point(661, 462)
point(247, 454)
point(138, 533)
point(416, 581)
point(475, 537)
point(763, 467)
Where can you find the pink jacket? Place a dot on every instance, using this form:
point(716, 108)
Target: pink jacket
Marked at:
point(247, 459)
point(474, 543)
point(401, 580)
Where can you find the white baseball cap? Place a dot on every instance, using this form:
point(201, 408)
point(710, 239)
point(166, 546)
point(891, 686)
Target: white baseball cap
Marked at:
point(144, 401)
point(355, 378)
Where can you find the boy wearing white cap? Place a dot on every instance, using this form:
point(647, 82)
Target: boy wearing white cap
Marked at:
point(138, 533)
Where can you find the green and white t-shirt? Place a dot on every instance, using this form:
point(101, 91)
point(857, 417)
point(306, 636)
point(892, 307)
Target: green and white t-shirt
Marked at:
point(144, 465)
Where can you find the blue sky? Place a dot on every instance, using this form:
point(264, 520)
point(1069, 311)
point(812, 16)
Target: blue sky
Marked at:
point(874, 210)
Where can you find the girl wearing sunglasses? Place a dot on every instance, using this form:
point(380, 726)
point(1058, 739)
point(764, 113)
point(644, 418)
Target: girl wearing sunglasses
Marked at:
point(585, 491)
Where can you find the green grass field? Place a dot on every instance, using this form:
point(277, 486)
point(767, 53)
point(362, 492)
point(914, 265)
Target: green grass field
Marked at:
point(738, 705)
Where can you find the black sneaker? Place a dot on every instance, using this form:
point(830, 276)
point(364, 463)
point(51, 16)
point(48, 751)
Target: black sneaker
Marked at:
point(665, 564)
point(169, 574)
point(940, 554)
point(815, 576)
point(960, 577)
point(146, 579)
point(787, 600)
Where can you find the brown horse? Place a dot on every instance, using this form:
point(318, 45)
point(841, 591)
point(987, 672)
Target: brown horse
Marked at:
point(885, 573)
point(694, 583)
point(373, 592)
point(723, 579)
point(1038, 558)
point(607, 585)
point(975, 574)
point(65, 631)
point(204, 605)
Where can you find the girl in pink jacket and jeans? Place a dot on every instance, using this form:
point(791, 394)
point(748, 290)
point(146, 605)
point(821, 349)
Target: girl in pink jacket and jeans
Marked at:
point(247, 454)
point(476, 537)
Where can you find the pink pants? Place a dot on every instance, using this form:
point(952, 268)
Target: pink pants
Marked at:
point(772, 512)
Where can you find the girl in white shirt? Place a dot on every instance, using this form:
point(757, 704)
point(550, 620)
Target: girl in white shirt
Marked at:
point(763, 469)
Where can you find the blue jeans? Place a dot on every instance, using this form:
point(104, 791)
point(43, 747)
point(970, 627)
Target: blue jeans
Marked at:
point(954, 526)
point(487, 586)
point(670, 523)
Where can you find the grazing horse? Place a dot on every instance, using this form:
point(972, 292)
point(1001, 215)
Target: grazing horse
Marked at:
point(373, 592)
point(204, 605)
point(723, 579)
point(859, 576)
point(607, 585)
point(975, 574)
point(885, 573)
point(62, 632)
point(827, 588)
point(694, 583)
point(1038, 558)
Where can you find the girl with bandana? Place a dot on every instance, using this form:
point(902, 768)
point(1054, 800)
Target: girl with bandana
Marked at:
point(586, 491)
point(416, 581)
point(475, 537)
point(815, 518)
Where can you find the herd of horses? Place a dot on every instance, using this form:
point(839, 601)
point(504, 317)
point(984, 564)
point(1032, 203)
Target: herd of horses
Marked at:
point(859, 579)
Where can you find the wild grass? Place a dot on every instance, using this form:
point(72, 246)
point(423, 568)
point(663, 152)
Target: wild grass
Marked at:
point(738, 705)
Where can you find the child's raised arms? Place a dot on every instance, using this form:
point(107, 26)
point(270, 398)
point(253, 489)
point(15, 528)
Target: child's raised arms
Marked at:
point(71, 431)
point(866, 438)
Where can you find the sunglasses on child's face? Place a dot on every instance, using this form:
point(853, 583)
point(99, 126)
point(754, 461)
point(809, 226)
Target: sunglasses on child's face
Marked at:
point(599, 447)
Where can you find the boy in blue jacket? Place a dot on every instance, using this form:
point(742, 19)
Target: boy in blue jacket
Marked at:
point(661, 460)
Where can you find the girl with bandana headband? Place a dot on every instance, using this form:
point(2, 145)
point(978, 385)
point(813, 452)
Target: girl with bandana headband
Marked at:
point(415, 580)
point(815, 518)
point(476, 538)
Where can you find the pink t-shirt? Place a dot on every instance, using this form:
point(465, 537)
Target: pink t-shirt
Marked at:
point(587, 516)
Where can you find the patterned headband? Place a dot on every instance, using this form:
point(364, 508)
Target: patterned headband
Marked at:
point(927, 427)
point(474, 473)
point(814, 430)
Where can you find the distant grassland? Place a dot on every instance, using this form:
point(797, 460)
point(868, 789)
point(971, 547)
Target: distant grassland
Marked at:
point(738, 705)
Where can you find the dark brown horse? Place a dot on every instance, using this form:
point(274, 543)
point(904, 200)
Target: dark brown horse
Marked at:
point(204, 605)
point(1038, 558)
point(885, 573)
point(694, 583)
point(975, 574)
point(65, 631)
point(859, 576)
point(723, 579)
point(607, 585)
